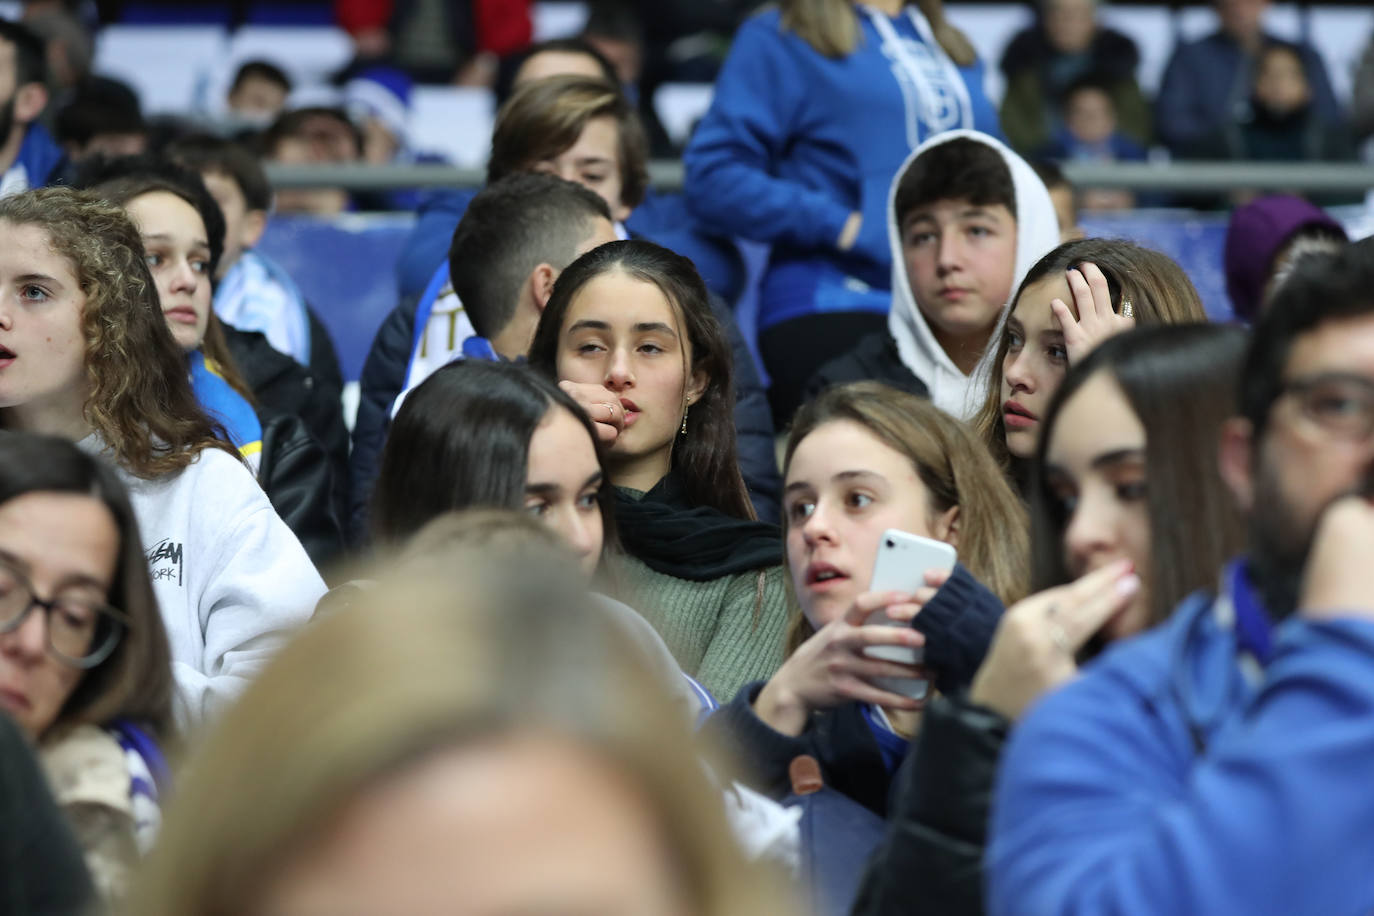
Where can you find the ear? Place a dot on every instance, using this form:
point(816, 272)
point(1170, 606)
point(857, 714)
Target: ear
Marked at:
point(254, 225)
point(946, 527)
point(696, 387)
point(1236, 456)
point(29, 102)
point(541, 285)
point(620, 212)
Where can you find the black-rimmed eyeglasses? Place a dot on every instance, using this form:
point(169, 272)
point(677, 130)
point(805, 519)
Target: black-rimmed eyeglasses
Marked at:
point(82, 631)
point(1337, 402)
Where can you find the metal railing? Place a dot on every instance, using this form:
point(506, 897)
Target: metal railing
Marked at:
point(666, 175)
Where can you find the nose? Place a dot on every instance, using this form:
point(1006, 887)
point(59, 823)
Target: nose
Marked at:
point(1091, 536)
point(184, 277)
point(30, 641)
point(817, 528)
point(949, 252)
point(580, 536)
point(1017, 372)
point(619, 372)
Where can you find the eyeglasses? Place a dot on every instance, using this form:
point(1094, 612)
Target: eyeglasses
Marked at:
point(82, 632)
point(1337, 402)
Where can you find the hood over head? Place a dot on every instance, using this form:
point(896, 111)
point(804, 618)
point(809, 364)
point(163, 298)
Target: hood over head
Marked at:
point(1258, 231)
point(1037, 231)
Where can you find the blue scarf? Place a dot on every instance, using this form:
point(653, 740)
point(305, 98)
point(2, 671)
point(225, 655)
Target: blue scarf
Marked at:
point(227, 406)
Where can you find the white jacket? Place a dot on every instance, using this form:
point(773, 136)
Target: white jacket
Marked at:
point(232, 581)
point(1037, 232)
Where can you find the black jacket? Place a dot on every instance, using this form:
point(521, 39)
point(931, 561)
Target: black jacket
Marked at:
point(280, 384)
point(874, 358)
point(958, 623)
point(931, 859)
point(298, 480)
point(383, 379)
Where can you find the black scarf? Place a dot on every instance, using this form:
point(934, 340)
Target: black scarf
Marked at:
point(671, 536)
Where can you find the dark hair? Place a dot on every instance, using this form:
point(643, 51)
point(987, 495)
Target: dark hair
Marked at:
point(218, 156)
point(135, 681)
point(1179, 380)
point(141, 402)
point(1092, 81)
point(1157, 288)
point(958, 169)
point(706, 458)
point(121, 179)
point(30, 55)
point(615, 19)
point(509, 229)
point(263, 70)
point(1051, 175)
point(291, 124)
point(462, 440)
point(1321, 288)
point(505, 81)
point(98, 106)
point(545, 117)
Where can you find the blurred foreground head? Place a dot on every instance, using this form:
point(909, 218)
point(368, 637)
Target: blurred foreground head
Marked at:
point(475, 739)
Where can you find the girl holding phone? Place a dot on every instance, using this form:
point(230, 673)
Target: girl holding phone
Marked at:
point(862, 459)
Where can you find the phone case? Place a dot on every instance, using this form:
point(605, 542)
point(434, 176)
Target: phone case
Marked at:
point(901, 566)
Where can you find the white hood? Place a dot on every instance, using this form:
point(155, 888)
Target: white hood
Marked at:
point(1037, 231)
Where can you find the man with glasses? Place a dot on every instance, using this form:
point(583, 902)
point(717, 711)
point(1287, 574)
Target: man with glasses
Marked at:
point(1221, 763)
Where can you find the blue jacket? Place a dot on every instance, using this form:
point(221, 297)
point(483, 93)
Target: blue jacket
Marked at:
point(1207, 85)
point(1178, 775)
point(660, 218)
point(41, 159)
point(795, 141)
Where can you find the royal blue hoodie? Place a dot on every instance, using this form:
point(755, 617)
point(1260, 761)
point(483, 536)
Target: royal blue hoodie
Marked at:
point(1181, 774)
point(795, 141)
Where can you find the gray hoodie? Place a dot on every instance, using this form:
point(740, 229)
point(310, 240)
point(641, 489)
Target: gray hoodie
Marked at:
point(1037, 232)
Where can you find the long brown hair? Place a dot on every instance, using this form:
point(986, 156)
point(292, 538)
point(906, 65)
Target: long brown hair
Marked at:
point(140, 400)
point(954, 467)
point(135, 681)
point(1181, 382)
point(706, 458)
point(495, 641)
point(1157, 288)
point(831, 27)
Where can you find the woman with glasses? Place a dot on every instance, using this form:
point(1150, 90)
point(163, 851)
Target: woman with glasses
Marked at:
point(86, 354)
point(84, 666)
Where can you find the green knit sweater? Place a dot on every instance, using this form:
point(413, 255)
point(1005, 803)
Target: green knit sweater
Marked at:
point(719, 631)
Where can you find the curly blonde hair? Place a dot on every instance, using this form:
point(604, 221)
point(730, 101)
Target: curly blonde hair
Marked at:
point(140, 400)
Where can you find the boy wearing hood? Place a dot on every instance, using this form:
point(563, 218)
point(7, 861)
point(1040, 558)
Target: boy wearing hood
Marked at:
point(967, 217)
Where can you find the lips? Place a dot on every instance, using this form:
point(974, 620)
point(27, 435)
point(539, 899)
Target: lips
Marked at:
point(14, 701)
point(1017, 417)
point(182, 314)
point(631, 411)
point(7, 356)
point(820, 575)
point(954, 293)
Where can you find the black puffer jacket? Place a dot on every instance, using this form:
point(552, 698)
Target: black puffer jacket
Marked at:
point(384, 375)
point(931, 858)
point(875, 358)
point(298, 480)
point(281, 384)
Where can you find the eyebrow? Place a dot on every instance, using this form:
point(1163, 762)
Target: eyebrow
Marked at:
point(593, 324)
point(64, 582)
point(548, 489)
point(592, 160)
point(166, 237)
point(842, 476)
point(35, 278)
point(1106, 459)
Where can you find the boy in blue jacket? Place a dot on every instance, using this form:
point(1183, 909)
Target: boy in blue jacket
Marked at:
point(1220, 763)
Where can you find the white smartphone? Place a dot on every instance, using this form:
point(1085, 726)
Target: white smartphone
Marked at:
point(901, 566)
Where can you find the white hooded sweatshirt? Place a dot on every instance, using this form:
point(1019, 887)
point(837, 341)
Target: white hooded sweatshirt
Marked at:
point(1037, 232)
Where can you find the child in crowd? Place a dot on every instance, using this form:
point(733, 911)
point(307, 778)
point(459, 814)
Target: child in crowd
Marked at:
point(100, 367)
point(102, 117)
point(634, 319)
point(861, 459)
point(1065, 198)
point(313, 136)
point(1071, 300)
point(258, 93)
point(967, 217)
point(1088, 132)
point(253, 293)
